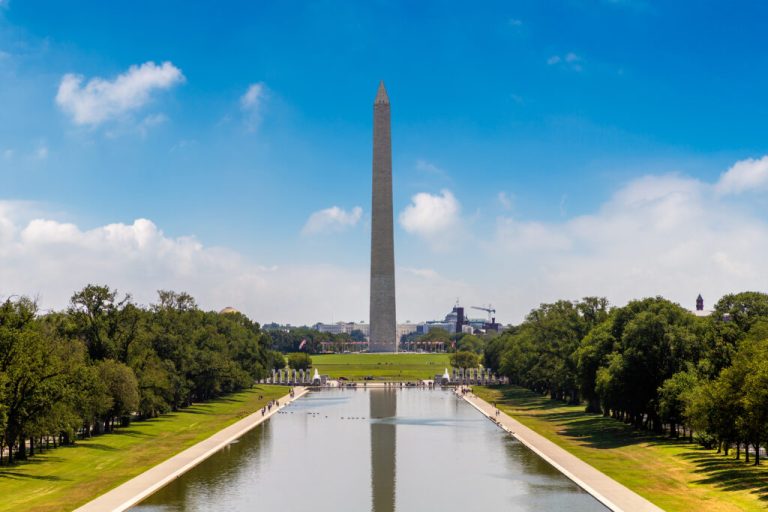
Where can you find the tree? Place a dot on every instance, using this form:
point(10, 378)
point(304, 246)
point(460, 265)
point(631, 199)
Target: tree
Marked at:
point(299, 361)
point(591, 355)
point(470, 343)
point(123, 389)
point(35, 366)
point(672, 399)
point(465, 360)
point(653, 340)
point(106, 325)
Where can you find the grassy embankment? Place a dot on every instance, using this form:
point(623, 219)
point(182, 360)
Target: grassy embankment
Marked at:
point(675, 475)
point(66, 477)
point(392, 367)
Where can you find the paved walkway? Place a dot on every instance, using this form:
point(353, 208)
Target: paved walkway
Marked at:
point(606, 490)
point(133, 491)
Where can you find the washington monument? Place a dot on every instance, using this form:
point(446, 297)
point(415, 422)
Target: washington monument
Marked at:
point(383, 331)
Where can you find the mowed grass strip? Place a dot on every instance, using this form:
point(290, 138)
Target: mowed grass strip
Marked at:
point(67, 477)
point(390, 367)
point(675, 475)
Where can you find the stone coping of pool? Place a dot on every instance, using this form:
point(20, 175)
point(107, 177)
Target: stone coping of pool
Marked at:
point(142, 486)
point(603, 488)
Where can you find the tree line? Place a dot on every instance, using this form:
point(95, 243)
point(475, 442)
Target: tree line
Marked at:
point(105, 360)
point(650, 363)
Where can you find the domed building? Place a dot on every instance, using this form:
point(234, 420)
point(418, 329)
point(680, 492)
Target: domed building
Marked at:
point(227, 310)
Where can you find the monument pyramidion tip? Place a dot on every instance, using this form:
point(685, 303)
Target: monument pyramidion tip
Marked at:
point(381, 95)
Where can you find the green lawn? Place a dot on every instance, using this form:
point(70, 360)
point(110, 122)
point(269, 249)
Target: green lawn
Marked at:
point(381, 366)
point(67, 477)
point(676, 476)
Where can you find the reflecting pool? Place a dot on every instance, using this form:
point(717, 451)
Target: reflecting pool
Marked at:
point(382, 450)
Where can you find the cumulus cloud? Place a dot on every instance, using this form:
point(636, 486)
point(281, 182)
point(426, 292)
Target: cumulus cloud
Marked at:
point(665, 235)
point(431, 216)
point(41, 256)
point(743, 176)
point(50, 259)
point(332, 220)
point(252, 104)
point(100, 100)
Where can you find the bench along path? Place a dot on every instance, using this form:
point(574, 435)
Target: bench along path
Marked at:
point(605, 489)
point(140, 487)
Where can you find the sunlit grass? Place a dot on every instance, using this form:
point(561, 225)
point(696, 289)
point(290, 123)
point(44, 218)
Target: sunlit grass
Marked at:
point(406, 367)
point(673, 474)
point(67, 477)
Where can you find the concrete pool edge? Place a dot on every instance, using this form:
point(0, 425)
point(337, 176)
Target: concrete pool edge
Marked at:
point(603, 488)
point(138, 488)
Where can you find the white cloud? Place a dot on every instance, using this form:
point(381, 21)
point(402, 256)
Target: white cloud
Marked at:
point(100, 100)
point(428, 167)
point(331, 220)
point(41, 153)
point(431, 216)
point(50, 259)
point(568, 61)
point(253, 96)
point(745, 175)
point(252, 104)
point(8, 153)
point(667, 235)
point(514, 22)
point(505, 200)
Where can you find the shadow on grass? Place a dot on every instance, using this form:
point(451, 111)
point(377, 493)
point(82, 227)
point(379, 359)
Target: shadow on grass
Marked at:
point(592, 430)
point(598, 432)
point(17, 475)
point(16, 471)
point(727, 473)
point(132, 433)
point(99, 446)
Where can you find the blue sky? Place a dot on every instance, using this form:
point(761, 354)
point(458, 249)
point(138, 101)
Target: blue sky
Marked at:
point(523, 135)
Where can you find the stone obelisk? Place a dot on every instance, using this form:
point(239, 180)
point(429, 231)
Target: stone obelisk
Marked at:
point(383, 331)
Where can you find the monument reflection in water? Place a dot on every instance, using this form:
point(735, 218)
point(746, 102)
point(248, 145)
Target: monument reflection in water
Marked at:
point(383, 450)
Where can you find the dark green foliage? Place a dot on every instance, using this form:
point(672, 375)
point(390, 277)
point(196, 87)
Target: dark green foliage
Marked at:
point(106, 360)
point(465, 360)
point(650, 363)
point(299, 361)
point(470, 343)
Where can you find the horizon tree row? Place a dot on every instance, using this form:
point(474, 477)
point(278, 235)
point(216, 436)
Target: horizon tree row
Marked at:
point(105, 360)
point(651, 363)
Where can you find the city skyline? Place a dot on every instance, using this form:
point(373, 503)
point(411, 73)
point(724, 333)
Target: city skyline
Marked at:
point(535, 158)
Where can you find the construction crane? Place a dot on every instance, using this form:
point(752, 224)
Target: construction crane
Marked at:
point(490, 310)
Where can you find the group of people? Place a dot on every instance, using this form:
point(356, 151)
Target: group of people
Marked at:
point(464, 390)
point(270, 404)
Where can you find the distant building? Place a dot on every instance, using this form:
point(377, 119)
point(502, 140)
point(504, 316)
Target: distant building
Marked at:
point(700, 311)
point(406, 329)
point(456, 322)
point(343, 328)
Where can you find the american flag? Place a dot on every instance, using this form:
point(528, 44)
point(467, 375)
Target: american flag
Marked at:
point(302, 344)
